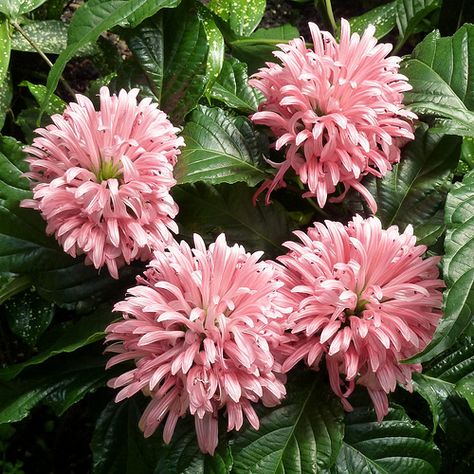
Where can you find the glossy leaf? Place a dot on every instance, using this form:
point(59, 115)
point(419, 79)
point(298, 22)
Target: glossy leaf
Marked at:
point(302, 435)
point(28, 316)
point(210, 210)
point(382, 17)
point(415, 190)
point(241, 15)
point(443, 386)
point(458, 269)
point(64, 339)
point(181, 52)
point(257, 48)
point(12, 165)
point(396, 445)
point(232, 88)
point(220, 148)
point(409, 14)
point(440, 71)
point(91, 19)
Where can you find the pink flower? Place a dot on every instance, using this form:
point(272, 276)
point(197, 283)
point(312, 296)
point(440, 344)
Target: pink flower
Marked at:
point(101, 180)
point(337, 109)
point(201, 327)
point(364, 299)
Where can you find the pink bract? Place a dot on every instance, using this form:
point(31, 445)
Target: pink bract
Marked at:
point(201, 326)
point(101, 179)
point(337, 109)
point(364, 299)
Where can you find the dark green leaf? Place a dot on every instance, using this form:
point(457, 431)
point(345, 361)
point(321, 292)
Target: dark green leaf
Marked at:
point(382, 17)
point(302, 435)
point(11, 285)
point(5, 98)
point(231, 87)
point(257, 49)
point(28, 316)
point(118, 445)
point(181, 52)
point(210, 210)
point(241, 15)
point(415, 190)
point(396, 445)
point(220, 148)
point(409, 14)
point(64, 339)
point(12, 166)
point(59, 385)
point(458, 269)
point(94, 17)
point(441, 384)
point(55, 104)
point(441, 71)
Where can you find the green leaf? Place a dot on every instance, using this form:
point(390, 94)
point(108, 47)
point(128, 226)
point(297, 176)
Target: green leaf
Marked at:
point(64, 338)
point(28, 316)
point(93, 18)
point(181, 52)
point(211, 210)
point(6, 94)
point(302, 435)
point(443, 385)
point(220, 148)
point(118, 445)
point(241, 15)
point(382, 17)
point(231, 87)
point(58, 385)
point(415, 190)
point(458, 269)
point(55, 104)
point(12, 165)
point(49, 35)
point(15, 8)
point(440, 71)
point(409, 15)
point(395, 445)
point(5, 47)
point(257, 49)
point(10, 285)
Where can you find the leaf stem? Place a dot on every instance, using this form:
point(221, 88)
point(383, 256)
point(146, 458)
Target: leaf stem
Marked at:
point(41, 53)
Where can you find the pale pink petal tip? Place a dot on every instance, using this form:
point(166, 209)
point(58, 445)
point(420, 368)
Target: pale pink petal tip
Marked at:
point(204, 329)
point(335, 109)
point(101, 179)
point(365, 299)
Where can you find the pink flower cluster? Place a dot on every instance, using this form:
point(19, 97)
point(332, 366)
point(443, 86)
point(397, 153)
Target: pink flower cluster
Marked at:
point(214, 329)
point(336, 109)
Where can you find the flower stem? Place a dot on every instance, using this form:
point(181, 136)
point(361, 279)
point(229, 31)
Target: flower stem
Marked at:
point(40, 52)
point(330, 15)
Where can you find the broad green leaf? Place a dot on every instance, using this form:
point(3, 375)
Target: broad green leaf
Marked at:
point(232, 88)
point(55, 105)
point(467, 154)
point(415, 190)
point(241, 15)
point(382, 17)
point(465, 388)
point(12, 165)
point(257, 48)
point(441, 71)
point(396, 445)
point(443, 384)
point(15, 8)
point(65, 338)
point(220, 148)
point(302, 435)
point(28, 316)
point(118, 445)
point(211, 210)
point(58, 385)
point(409, 14)
point(458, 269)
point(5, 47)
point(183, 456)
point(93, 18)
point(6, 95)
point(181, 53)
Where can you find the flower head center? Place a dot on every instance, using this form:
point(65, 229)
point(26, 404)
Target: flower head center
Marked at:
point(359, 308)
point(107, 170)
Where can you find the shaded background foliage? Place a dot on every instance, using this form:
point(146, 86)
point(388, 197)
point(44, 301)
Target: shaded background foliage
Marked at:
point(194, 58)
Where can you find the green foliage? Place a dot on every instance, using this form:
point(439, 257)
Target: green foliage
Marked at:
point(382, 17)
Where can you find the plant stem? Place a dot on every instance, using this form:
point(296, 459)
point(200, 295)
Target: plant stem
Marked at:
point(312, 203)
point(330, 15)
point(40, 52)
